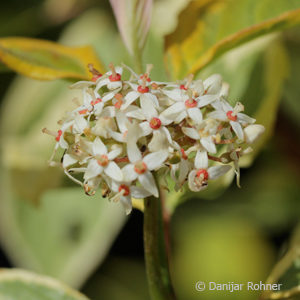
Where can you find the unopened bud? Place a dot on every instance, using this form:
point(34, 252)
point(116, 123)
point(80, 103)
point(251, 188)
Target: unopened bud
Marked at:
point(253, 132)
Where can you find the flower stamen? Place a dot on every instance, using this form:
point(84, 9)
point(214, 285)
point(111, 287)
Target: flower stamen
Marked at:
point(140, 167)
point(155, 123)
point(114, 75)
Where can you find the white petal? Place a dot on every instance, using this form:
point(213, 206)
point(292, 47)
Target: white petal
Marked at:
point(79, 125)
point(253, 132)
point(62, 143)
point(245, 119)
point(183, 169)
point(155, 160)
point(237, 128)
point(129, 98)
point(208, 144)
point(129, 174)
point(113, 85)
point(175, 94)
point(133, 152)
point(145, 126)
point(148, 182)
point(126, 202)
point(98, 108)
point(101, 83)
point(174, 109)
point(108, 96)
point(201, 160)
point(138, 192)
point(206, 99)
point(213, 84)
point(108, 112)
point(218, 115)
point(93, 169)
point(191, 132)
point(113, 171)
point(148, 107)
point(179, 117)
point(122, 121)
point(117, 136)
point(99, 147)
point(195, 114)
point(217, 171)
point(153, 98)
point(69, 160)
point(114, 153)
point(136, 114)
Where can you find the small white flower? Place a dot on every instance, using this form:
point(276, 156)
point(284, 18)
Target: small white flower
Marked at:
point(198, 177)
point(140, 168)
point(232, 115)
point(204, 133)
point(124, 191)
point(102, 161)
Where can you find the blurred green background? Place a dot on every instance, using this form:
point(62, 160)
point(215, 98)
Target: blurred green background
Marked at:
point(49, 226)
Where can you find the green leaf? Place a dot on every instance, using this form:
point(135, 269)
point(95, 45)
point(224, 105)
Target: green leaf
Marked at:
point(47, 60)
point(206, 29)
point(18, 284)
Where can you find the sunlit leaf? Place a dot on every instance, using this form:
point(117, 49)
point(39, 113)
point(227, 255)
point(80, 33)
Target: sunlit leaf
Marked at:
point(18, 284)
point(133, 19)
point(206, 29)
point(47, 60)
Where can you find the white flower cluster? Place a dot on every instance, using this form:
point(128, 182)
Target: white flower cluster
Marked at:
point(126, 130)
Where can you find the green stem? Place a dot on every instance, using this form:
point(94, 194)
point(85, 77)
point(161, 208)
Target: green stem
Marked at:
point(156, 257)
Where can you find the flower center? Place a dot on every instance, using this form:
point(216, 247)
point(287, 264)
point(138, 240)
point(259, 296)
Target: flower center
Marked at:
point(231, 116)
point(96, 77)
point(59, 134)
point(202, 174)
point(102, 160)
point(143, 90)
point(184, 156)
point(190, 103)
point(145, 77)
point(182, 87)
point(140, 167)
point(125, 189)
point(116, 77)
point(83, 111)
point(94, 102)
point(155, 123)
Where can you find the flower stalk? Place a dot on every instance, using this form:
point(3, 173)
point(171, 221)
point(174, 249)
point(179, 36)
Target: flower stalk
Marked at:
point(157, 264)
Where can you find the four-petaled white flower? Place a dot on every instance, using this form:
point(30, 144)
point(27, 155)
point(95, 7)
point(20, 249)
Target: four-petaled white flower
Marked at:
point(102, 161)
point(140, 168)
point(202, 173)
point(227, 113)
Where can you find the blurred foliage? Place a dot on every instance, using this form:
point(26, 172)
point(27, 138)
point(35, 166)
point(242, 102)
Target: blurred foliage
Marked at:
point(45, 232)
point(46, 60)
point(17, 284)
point(206, 29)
